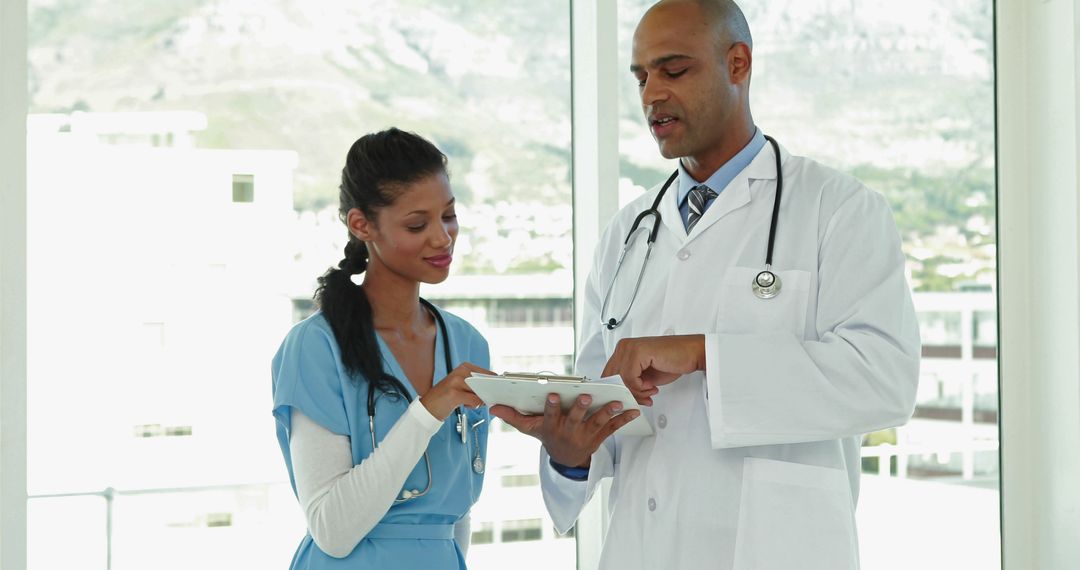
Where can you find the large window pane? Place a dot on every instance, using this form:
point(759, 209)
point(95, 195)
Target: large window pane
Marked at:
point(80, 519)
point(183, 171)
point(900, 94)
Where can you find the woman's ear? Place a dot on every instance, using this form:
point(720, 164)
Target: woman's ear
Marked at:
point(360, 226)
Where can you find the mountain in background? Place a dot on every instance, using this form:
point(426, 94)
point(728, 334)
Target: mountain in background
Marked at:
point(282, 74)
point(899, 94)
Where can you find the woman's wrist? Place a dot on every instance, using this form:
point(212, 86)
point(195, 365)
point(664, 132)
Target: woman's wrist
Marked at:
point(435, 407)
point(419, 413)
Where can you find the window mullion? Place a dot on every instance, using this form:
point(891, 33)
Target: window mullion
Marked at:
point(13, 105)
point(594, 55)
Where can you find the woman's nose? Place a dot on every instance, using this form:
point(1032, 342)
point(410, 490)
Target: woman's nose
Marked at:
point(443, 236)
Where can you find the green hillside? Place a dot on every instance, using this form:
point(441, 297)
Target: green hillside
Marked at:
point(277, 75)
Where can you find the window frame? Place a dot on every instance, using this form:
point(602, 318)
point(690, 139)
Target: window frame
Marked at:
point(13, 356)
point(1038, 172)
point(1038, 125)
point(243, 188)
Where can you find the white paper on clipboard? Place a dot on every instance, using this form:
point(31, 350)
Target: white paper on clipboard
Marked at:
point(527, 394)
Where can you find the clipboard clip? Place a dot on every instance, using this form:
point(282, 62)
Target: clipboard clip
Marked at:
point(543, 377)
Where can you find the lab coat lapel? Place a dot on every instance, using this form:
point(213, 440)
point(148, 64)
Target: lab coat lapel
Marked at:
point(737, 193)
point(669, 211)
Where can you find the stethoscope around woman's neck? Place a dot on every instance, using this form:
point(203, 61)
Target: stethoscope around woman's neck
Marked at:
point(462, 426)
point(765, 285)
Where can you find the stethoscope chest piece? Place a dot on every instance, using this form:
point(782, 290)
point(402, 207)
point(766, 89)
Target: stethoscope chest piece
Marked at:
point(477, 462)
point(766, 285)
point(463, 429)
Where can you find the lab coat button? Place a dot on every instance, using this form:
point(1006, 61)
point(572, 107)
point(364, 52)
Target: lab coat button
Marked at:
point(662, 421)
point(652, 504)
point(683, 254)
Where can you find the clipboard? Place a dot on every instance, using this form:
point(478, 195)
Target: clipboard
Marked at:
point(527, 393)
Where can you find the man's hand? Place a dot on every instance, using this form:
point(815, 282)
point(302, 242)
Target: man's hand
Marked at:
point(647, 363)
point(570, 438)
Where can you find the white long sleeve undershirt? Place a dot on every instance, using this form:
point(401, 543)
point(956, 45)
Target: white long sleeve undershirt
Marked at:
point(343, 502)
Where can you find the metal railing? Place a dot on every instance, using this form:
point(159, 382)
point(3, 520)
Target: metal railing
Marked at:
point(110, 494)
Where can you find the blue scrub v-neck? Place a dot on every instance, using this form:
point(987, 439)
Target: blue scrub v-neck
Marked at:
point(438, 371)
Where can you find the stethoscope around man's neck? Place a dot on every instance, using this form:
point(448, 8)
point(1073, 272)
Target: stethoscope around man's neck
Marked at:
point(765, 285)
point(462, 426)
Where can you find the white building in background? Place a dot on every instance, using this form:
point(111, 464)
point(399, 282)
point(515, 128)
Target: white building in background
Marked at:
point(155, 305)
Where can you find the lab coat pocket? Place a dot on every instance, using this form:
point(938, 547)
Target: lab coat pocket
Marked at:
point(742, 312)
point(793, 515)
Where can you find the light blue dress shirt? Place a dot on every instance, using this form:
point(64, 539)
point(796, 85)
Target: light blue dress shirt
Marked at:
point(308, 375)
point(719, 179)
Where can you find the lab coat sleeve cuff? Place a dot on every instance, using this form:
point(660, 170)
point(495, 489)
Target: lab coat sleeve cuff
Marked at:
point(565, 498)
point(575, 473)
point(713, 393)
point(428, 423)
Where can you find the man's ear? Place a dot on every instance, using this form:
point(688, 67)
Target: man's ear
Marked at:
point(360, 226)
point(740, 61)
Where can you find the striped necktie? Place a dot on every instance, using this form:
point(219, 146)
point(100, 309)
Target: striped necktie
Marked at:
point(697, 200)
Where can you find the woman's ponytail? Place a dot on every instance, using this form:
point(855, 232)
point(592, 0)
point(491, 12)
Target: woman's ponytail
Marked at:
point(348, 311)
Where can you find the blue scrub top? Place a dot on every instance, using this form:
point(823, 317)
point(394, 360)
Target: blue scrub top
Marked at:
point(308, 375)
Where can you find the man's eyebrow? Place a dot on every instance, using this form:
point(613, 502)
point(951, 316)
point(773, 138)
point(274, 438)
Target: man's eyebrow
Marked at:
point(634, 67)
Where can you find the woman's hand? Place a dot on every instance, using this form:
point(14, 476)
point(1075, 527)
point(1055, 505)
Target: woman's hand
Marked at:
point(452, 391)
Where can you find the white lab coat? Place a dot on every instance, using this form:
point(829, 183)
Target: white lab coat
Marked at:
point(755, 461)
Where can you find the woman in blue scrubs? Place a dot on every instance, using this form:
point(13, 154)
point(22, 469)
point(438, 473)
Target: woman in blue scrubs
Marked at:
point(384, 442)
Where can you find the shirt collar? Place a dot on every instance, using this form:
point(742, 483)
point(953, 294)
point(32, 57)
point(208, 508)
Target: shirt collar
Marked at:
point(726, 173)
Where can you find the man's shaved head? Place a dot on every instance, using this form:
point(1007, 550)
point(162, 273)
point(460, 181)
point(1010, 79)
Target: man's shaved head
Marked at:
point(726, 18)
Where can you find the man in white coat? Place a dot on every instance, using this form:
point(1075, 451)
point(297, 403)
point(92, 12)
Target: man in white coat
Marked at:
point(757, 404)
